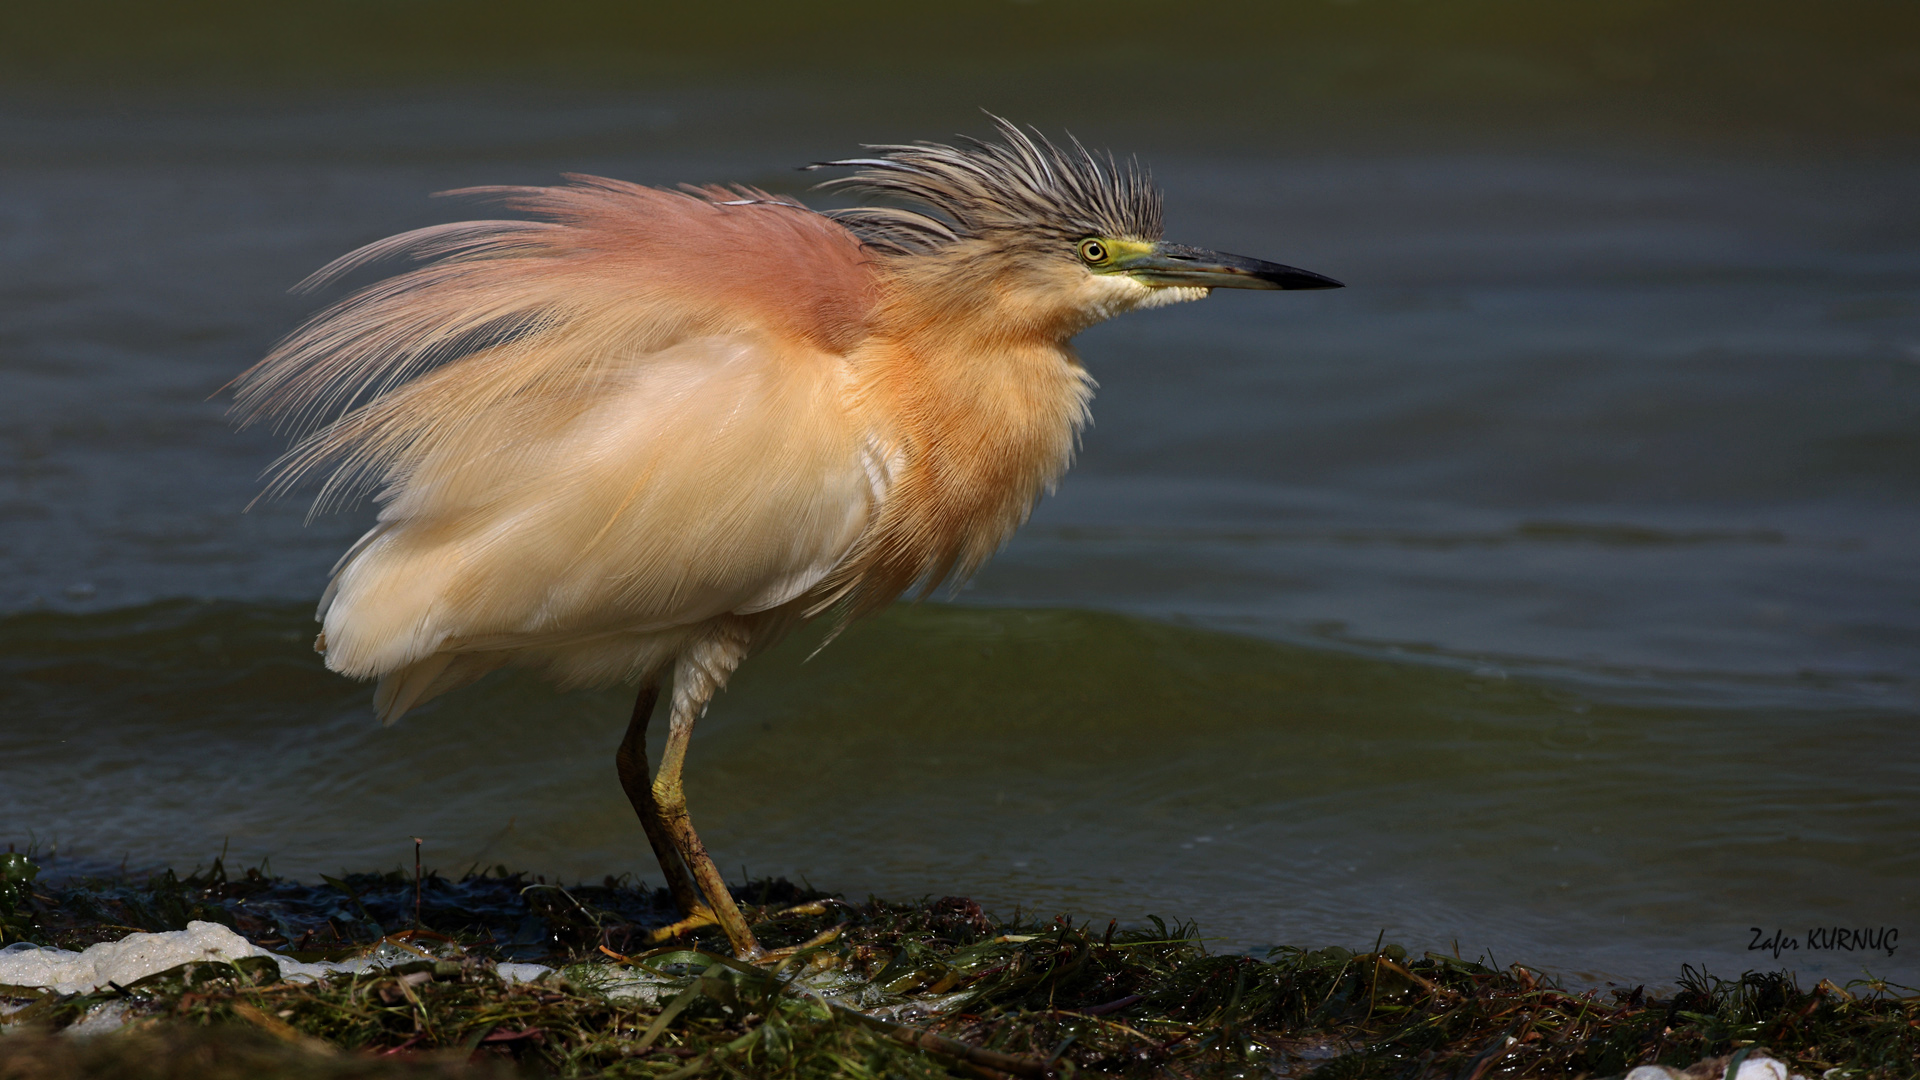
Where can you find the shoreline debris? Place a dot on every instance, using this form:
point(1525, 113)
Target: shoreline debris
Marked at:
point(505, 970)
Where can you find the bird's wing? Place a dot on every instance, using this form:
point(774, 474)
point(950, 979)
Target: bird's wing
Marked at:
point(721, 475)
point(612, 272)
point(630, 414)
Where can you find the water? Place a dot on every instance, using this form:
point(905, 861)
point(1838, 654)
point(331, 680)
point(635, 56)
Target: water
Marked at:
point(1553, 590)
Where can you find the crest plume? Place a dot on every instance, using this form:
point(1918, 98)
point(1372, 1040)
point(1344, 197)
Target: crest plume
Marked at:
point(1026, 188)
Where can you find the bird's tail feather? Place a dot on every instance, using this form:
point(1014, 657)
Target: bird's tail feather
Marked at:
point(426, 679)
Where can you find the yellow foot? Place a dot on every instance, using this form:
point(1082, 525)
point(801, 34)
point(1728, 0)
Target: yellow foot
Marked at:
point(702, 916)
point(778, 957)
point(815, 907)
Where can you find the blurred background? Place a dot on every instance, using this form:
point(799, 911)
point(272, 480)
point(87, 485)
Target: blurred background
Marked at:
point(1553, 591)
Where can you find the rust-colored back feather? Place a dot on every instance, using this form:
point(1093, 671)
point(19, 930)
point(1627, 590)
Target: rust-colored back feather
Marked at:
point(523, 304)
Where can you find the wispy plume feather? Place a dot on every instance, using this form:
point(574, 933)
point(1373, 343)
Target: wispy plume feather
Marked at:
point(1025, 190)
point(504, 318)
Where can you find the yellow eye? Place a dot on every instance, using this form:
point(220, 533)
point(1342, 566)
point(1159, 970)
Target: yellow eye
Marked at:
point(1093, 251)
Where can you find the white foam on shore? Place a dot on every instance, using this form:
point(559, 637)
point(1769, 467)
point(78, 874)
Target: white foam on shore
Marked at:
point(137, 956)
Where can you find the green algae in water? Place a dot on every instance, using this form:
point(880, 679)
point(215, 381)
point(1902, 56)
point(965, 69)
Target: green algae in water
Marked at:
point(925, 989)
point(17, 872)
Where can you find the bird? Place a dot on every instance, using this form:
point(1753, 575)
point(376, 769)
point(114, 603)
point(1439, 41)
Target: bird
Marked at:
point(634, 434)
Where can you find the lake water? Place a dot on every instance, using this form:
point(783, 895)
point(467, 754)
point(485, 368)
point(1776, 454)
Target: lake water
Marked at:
point(1553, 590)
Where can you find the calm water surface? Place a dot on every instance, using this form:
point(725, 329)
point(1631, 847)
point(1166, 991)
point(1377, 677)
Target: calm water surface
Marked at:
point(1553, 590)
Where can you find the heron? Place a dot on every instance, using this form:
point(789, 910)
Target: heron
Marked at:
point(636, 434)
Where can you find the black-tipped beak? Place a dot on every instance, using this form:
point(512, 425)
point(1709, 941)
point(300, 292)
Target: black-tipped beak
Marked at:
point(1177, 264)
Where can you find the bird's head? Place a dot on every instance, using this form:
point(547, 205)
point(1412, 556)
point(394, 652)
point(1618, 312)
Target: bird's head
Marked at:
point(1063, 236)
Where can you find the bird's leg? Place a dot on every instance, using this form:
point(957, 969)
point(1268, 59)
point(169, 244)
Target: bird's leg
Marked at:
point(696, 677)
point(673, 807)
point(631, 760)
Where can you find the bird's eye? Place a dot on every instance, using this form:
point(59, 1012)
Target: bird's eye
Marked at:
point(1093, 251)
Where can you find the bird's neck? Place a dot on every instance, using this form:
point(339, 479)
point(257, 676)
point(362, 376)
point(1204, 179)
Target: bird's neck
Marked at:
point(980, 417)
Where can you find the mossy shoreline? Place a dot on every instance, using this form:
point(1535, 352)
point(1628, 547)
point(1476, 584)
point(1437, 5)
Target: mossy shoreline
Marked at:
point(930, 988)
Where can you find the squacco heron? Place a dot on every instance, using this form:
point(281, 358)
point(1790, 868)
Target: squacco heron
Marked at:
point(643, 433)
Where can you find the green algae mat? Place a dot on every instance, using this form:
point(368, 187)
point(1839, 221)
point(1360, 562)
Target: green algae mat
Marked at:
point(927, 989)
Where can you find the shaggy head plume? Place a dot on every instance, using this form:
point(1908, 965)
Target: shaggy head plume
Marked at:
point(1023, 190)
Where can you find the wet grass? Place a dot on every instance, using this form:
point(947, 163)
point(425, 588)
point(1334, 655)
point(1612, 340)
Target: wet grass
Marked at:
point(928, 989)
